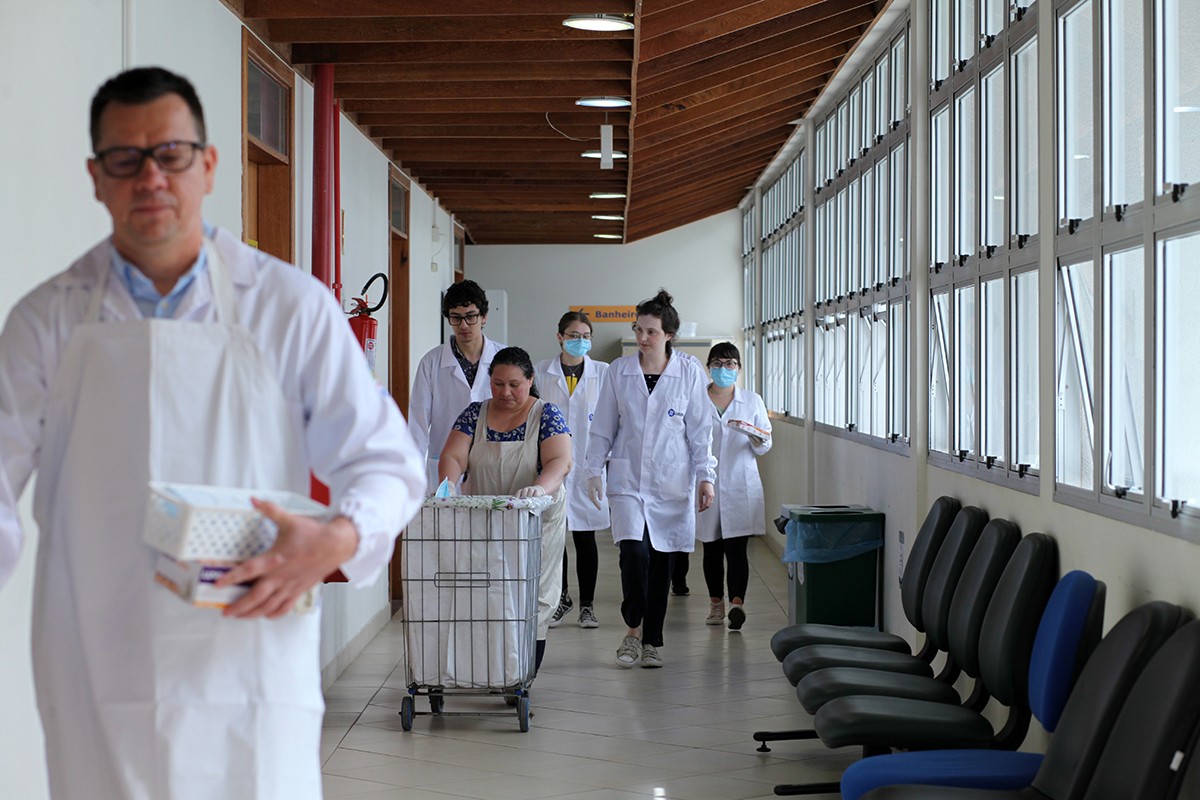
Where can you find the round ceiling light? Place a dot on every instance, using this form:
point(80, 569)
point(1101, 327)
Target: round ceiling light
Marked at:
point(609, 217)
point(607, 235)
point(603, 102)
point(603, 23)
point(616, 154)
point(607, 196)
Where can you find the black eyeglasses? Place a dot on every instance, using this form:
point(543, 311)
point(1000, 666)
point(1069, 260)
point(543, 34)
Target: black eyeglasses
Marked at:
point(125, 162)
point(725, 363)
point(577, 336)
point(459, 319)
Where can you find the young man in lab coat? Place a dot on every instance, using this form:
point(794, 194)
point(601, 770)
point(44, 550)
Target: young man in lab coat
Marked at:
point(453, 375)
point(173, 352)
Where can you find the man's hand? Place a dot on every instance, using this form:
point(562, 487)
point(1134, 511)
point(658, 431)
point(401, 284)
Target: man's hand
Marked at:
point(704, 497)
point(305, 551)
point(595, 491)
point(531, 491)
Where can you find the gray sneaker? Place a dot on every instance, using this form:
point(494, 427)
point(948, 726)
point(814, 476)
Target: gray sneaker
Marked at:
point(630, 652)
point(565, 604)
point(650, 657)
point(587, 619)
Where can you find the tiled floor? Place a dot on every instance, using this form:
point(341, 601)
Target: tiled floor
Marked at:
point(598, 732)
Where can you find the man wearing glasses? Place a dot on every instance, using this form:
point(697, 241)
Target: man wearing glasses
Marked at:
point(453, 375)
point(173, 352)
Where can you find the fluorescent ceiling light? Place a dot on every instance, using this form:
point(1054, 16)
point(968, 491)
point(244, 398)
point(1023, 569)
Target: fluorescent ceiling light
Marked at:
point(605, 23)
point(598, 154)
point(607, 195)
point(603, 102)
point(610, 217)
point(607, 235)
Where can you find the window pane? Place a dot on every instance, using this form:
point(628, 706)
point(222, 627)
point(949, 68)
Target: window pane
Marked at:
point(899, 81)
point(853, 239)
point(898, 369)
point(992, 129)
point(854, 133)
point(868, 112)
point(870, 231)
point(840, 368)
point(1124, 384)
point(398, 207)
point(1123, 99)
point(843, 137)
point(1024, 133)
point(939, 188)
point(991, 16)
point(860, 391)
point(883, 116)
point(899, 212)
point(1179, 72)
point(939, 374)
point(939, 63)
point(965, 37)
point(1075, 107)
point(266, 108)
point(964, 368)
point(879, 371)
point(991, 377)
point(881, 241)
point(1025, 369)
point(1179, 380)
point(1074, 348)
point(966, 194)
point(819, 352)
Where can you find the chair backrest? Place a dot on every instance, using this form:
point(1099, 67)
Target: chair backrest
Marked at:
point(920, 561)
point(1091, 709)
point(947, 569)
point(975, 588)
point(1068, 633)
point(1146, 753)
point(1009, 628)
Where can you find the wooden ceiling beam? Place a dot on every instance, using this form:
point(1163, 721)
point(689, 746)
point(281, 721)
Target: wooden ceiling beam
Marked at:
point(484, 71)
point(747, 90)
point(442, 28)
point(724, 182)
point(322, 52)
point(494, 150)
point(667, 219)
point(807, 25)
point(543, 131)
point(464, 205)
point(708, 115)
point(599, 179)
point(673, 150)
point(700, 164)
point(667, 33)
point(450, 121)
point(258, 9)
point(659, 21)
point(755, 118)
point(822, 62)
point(481, 105)
point(479, 90)
point(663, 226)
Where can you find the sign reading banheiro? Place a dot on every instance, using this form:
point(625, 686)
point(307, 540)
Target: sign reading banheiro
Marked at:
point(609, 313)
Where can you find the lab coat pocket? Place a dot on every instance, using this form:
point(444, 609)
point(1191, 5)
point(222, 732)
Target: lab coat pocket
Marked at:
point(672, 480)
point(621, 479)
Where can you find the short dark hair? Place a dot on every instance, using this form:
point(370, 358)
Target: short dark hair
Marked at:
point(512, 357)
point(463, 294)
point(140, 85)
point(722, 351)
point(573, 316)
point(660, 306)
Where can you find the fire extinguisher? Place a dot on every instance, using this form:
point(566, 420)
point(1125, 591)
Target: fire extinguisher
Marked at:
point(365, 326)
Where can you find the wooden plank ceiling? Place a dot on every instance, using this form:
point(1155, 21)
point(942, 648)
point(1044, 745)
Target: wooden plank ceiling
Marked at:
point(476, 100)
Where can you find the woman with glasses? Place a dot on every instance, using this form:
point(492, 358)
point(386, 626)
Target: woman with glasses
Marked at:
point(572, 382)
point(453, 375)
point(741, 432)
point(653, 428)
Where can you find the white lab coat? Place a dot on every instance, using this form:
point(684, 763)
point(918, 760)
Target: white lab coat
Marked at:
point(439, 394)
point(91, 657)
point(658, 446)
point(578, 408)
point(739, 505)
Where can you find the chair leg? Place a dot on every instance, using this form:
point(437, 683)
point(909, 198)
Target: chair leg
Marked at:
point(781, 736)
point(808, 788)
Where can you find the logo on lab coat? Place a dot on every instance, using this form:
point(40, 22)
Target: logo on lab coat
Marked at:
point(670, 412)
point(591, 417)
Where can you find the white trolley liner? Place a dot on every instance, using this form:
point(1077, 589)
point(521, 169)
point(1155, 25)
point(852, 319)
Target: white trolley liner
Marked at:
point(470, 569)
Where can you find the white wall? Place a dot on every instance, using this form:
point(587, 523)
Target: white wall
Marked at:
point(694, 263)
point(53, 56)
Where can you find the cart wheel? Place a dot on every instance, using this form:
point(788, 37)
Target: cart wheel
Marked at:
point(523, 713)
point(510, 700)
point(436, 702)
point(407, 710)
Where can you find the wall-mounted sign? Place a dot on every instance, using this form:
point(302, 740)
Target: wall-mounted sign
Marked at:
point(609, 313)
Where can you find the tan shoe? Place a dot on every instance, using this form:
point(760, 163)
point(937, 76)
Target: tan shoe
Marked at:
point(716, 613)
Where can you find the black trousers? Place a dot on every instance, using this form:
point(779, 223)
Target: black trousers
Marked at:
point(716, 554)
point(645, 583)
point(587, 564)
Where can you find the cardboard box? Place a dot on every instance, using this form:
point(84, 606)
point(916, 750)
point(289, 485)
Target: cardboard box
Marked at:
point(195, 581)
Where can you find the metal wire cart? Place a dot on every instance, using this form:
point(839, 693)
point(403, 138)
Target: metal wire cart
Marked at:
point(470, 568)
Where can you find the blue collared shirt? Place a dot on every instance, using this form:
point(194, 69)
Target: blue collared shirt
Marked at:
point(148, 300)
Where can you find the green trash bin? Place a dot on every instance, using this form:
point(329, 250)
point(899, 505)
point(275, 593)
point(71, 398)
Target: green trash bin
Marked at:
point(832, 554)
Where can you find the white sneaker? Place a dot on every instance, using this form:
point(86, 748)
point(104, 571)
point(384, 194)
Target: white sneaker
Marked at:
point(630, 652)
point(565, 604)
point(587, 618)
point(650, 657)
point(737, 617)
point(716, 613)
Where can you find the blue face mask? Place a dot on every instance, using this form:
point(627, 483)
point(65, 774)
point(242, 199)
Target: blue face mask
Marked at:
point(577, 347)
point(723, 376)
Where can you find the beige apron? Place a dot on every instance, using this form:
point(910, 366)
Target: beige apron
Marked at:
point(142, 696)
point(503, 468)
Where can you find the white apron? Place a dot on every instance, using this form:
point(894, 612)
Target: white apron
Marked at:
point(142, 696)
point(503, 468)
